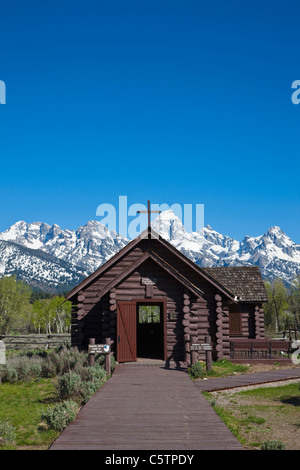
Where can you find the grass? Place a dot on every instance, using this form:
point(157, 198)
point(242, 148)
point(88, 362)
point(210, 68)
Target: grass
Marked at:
point(220, 368)
point(22, 405)
point(30, 382)
point(261, 415)
point(223, 367)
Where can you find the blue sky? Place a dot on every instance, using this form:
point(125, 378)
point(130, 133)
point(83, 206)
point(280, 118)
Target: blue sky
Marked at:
point(183, 102)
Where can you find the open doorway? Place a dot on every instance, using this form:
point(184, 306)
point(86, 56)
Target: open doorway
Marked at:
point(150, 330)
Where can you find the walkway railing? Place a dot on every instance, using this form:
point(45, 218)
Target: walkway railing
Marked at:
point(256, 349)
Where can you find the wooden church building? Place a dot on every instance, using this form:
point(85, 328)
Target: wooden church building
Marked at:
point(150, 300)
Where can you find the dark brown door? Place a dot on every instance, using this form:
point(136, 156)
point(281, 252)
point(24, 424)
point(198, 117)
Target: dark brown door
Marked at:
point(126, 332)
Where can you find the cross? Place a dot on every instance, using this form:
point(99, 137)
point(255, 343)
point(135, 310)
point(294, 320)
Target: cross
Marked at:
point(149, 213)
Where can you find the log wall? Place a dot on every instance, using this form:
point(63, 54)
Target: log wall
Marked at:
point(187, 314)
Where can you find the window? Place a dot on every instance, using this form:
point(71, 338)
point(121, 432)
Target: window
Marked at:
point(149, 314)
point(235, 320)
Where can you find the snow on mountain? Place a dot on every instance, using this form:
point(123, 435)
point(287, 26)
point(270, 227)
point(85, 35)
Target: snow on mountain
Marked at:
point(36, 268)
point(77, 253)
point(87, 248)
point(274, 252)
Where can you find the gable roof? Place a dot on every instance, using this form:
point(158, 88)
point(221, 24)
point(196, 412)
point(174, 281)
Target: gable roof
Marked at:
point(244, 281)
point(237, 283)
point(135, 265)
point(150, 234)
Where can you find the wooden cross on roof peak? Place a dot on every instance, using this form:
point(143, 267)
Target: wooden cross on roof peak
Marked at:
point(149, 212)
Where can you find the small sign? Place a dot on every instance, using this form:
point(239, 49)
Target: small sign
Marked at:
point(149, 280)
point(200, 347)
point(99, 348)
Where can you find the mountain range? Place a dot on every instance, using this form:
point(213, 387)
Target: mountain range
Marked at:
point(54, 260)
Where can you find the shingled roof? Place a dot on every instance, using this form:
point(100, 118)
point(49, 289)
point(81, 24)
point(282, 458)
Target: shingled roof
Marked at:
point(245, 282)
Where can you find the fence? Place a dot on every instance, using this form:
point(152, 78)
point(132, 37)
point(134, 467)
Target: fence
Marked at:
point(42, 341)
point(260, 349)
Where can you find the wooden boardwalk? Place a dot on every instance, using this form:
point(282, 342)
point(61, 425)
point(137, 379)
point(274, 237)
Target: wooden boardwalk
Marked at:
point(244, 380)
point(147, 408)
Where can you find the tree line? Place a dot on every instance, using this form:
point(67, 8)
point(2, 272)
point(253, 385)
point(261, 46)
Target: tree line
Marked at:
point(282, 311)
point(23, 310)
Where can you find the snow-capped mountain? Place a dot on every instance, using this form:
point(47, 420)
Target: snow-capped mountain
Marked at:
point(39, 269)
point(45, 255)
point(87, 247)
point(274, 252)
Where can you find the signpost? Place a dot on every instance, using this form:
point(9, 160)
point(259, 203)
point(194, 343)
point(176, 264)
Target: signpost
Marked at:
point(148, 280)
point(195, 347)
point(100, 349)
point(200, 347)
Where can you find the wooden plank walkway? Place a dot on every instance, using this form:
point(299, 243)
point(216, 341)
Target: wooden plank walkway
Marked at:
point(244, 380)
point(147, 408)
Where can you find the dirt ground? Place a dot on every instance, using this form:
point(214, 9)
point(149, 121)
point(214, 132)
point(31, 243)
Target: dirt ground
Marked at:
point(266, 367)
point(281, 420)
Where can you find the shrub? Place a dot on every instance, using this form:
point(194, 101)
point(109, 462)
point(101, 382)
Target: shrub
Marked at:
point(21, 368)
point(69, 386)
point(7, 433)
point(58, 417)
point(93, 378)
point(196, 371)
point(62, 361)
point(273, 445)
point(9, 374)
point(48, 369)
point(80, 385)
point(65, 359)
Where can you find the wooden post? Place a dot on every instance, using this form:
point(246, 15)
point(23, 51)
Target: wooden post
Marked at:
point(108, 359)
point(208, 355)
point(219, 324)
point(194, 354)
point(91, 355)
point(186, 327)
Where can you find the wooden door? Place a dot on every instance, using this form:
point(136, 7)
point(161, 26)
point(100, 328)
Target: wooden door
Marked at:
point(126, 332)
